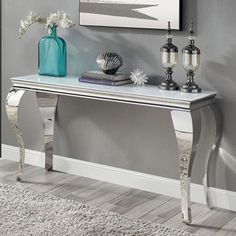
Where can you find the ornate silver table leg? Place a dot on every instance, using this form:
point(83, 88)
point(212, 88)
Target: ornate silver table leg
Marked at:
point(187, 127)
point(12, 106)
point(47, 105)
point(213, 128)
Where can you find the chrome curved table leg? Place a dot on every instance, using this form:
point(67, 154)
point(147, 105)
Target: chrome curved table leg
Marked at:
point(47, 105)
point(12, 106)
point(188, 136)
point(213, 134)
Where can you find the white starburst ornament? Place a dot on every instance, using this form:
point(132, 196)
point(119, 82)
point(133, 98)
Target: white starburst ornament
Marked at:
point(138, 77)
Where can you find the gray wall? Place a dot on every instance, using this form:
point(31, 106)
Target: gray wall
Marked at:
point(126, 136)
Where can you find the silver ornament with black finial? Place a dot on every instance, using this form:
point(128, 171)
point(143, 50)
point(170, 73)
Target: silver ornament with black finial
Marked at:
point(191, 63)
point(169, 60)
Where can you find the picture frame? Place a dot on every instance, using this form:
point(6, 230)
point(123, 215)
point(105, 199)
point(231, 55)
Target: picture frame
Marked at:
point(143, 14)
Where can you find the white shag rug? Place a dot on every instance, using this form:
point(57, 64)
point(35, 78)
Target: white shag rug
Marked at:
point(24, 212)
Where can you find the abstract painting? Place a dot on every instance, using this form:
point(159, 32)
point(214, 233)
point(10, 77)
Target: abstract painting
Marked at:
point(148, 14)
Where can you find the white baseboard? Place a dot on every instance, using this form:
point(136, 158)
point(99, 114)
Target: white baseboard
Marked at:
point(169, 187)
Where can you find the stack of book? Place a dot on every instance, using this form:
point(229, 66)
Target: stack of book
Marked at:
point(98, 77)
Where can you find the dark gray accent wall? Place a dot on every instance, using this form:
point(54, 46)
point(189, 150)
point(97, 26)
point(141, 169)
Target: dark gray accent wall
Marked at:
point(126, 136)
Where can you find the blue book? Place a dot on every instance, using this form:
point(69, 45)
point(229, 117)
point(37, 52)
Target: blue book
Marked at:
point(104, 81)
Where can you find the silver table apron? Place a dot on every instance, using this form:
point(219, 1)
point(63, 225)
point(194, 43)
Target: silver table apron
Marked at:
point(196, 120)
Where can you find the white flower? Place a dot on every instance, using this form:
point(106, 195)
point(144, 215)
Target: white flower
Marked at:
point(23, 24)
point(30, 17)
point(139, 77)
point(59, 18)
point(65, 22)
point(30, 20)
point(54, 19)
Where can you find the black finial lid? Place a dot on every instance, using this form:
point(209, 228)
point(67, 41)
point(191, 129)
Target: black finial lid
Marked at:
point(169, 34)
point(169, 46)
point(169, 28)
point(191, 31)
point(191, 48)
point(191, 34)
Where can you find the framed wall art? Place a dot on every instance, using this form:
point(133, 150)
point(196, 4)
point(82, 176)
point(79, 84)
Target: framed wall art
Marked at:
point(147, 14)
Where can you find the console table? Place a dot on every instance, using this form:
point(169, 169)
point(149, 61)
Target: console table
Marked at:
point(195, 119)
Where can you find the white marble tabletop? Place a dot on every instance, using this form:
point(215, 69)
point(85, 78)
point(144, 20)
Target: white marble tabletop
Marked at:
point(147, 94)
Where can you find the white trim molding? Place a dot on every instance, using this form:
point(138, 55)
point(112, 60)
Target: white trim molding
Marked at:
point(160, 185)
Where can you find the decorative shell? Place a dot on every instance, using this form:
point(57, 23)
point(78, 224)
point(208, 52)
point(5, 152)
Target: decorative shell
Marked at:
point(138, 77)
point(109, 62)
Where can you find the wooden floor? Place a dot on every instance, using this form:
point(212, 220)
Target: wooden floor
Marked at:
point(126, 201)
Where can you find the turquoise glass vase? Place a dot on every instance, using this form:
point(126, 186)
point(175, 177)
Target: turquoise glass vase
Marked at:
point(52, 55)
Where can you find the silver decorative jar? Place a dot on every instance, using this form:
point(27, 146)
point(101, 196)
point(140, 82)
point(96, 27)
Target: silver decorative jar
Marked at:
point(191, 56)
point(169, 60)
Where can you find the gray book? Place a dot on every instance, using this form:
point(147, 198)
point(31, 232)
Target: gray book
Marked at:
point(104, 81)
point(102, 76)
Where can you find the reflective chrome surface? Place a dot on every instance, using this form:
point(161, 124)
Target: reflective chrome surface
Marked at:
point(12, 106)
point(191, 63)
point(198, 136)
point(213, 137)
point(169, 60)
point(188, 139)
point(47, 105)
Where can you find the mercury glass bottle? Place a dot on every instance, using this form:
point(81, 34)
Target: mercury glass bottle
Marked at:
point(52, 55)
point(191, 62)
point(169, 60)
